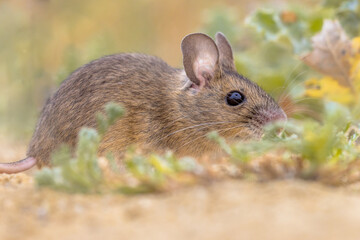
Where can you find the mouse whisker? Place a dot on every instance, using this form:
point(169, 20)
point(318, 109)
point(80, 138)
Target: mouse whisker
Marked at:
point(290, 86)
point(199, 137)
point(234, 127)
point(303, 99)
point(202, 125)
point(288, 77)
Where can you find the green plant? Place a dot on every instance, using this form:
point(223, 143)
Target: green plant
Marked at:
point(79, 174)
point(154, 173)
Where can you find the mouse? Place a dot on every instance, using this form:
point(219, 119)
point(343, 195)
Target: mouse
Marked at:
point(166, 108)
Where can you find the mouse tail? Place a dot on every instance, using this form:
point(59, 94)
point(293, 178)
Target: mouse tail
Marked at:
point(18, 166)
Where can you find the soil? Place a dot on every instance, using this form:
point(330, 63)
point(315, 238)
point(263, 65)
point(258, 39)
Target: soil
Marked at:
point(230, 209)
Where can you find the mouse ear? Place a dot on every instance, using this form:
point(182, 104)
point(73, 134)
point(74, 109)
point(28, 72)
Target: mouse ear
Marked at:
point(226, 58)
point(200, 58)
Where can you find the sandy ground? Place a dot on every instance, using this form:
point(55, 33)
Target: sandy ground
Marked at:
point(231, 209)
point(228, 209)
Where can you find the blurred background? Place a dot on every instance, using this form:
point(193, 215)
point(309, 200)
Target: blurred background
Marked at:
point(43, 41)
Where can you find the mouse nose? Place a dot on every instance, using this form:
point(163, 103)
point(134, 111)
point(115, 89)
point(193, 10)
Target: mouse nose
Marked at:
point(273, 116)
point(279, 116)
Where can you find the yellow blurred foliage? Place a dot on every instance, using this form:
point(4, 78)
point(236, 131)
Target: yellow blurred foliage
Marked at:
point(330, 89)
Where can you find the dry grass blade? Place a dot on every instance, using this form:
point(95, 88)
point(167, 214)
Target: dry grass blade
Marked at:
point(331, 53)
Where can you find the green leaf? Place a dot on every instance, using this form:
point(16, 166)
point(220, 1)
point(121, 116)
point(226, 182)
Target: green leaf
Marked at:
point(265, 22)
point(221, 19)
point(113, 111)
point(102, 123)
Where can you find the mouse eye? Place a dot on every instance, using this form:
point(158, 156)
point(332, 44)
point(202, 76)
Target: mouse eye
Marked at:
point(234, 98)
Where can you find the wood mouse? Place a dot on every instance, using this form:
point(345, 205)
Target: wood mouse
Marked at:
point(166, 107)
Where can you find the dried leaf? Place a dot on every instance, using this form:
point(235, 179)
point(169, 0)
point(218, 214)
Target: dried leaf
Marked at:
point(331, 53)
point(288, 17)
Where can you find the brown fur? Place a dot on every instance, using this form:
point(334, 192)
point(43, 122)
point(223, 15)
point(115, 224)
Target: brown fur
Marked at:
point(162, 110)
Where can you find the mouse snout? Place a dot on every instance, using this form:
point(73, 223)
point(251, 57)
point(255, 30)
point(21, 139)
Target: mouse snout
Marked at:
point(269, 116)
point(280, 115)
